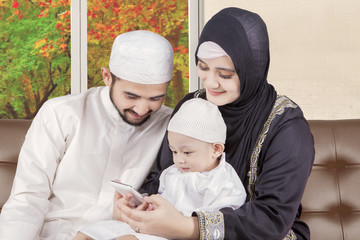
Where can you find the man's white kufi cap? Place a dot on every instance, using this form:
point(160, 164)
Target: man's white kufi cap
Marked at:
point(199, 119)
point(142, 57)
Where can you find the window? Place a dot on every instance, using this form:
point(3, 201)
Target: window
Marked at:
point(42, 58)
point(34, 55)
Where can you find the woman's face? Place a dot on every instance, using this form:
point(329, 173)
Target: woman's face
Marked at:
point(220, 80)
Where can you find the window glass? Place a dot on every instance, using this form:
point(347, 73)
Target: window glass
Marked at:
point(34, 54)
point(35, 47)
point(107, 19)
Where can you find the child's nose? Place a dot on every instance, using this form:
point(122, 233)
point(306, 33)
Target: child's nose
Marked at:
point(181, 160)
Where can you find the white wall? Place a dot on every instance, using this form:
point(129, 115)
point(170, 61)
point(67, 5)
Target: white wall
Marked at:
point(314, 49)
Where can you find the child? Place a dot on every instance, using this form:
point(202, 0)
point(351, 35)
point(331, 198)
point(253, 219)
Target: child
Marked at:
point(199, 179)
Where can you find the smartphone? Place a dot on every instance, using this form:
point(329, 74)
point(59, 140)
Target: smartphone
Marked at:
point(123, 188)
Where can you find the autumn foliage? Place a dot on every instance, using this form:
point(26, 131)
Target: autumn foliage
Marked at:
point(35, 48)
point(166, 17)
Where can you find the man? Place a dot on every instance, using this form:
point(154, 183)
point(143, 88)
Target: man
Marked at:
point(78, 143)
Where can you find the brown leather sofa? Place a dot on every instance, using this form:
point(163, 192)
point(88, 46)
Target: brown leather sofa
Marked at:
point(331, 202)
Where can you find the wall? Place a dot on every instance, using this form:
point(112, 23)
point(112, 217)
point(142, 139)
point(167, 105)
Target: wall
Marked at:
point(314, 49)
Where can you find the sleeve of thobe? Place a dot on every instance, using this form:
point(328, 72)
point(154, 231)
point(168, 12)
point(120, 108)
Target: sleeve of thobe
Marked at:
point(23, 214)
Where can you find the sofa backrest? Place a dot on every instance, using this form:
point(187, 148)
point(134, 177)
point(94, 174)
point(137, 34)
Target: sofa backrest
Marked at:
point(331, 202)
point(12, 136)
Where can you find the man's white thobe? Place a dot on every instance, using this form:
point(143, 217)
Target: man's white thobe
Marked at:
point(74, 147)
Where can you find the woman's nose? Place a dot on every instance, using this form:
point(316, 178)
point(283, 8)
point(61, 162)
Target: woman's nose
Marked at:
point(210, 81)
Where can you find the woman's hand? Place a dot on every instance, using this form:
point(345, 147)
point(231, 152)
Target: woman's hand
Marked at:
point(163, 220)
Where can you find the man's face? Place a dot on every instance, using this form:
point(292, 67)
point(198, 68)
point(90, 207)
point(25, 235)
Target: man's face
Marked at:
point(136, 102)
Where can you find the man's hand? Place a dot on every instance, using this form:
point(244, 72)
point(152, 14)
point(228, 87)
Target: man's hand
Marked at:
point(120, 200)
point(127, 237)
point(82, 236)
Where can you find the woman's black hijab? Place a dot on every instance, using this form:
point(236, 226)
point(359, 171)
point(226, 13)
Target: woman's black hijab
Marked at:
point(243, 36)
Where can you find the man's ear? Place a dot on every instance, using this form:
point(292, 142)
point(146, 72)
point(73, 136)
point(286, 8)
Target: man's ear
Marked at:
point(218, 149)
point(106, 76)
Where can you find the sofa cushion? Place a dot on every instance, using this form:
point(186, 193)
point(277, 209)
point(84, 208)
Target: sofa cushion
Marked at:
point(331, 203)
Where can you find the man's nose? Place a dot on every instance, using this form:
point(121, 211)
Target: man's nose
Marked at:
point(141, 108)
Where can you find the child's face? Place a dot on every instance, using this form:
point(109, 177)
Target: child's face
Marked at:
point(193, 155)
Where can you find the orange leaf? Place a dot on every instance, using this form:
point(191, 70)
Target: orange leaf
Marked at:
point(40, 43)
point(63, 46)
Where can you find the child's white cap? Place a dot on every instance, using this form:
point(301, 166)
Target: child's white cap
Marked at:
point(142, 57)
point(199, 119)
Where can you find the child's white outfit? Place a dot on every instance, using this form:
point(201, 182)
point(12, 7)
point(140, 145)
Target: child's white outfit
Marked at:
point(188, 192)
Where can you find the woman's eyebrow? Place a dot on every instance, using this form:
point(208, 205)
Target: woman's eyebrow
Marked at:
point(226, 69)
point(220, 68)
point(202, 61)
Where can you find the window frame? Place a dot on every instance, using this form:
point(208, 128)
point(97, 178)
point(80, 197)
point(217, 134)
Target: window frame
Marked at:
point(79, 44)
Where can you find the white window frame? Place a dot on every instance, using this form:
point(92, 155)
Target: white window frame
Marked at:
point(79, 44)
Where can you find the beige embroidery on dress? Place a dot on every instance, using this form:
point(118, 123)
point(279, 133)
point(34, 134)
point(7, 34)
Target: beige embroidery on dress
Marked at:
point(211, 224)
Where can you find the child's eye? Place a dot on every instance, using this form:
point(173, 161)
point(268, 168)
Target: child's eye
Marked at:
point(174, 152)
point(187, 153)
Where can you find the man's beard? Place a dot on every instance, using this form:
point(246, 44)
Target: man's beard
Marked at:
point(123, 116)
point(127, 120)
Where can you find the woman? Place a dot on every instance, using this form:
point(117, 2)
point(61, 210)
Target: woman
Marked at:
point(269, 142)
